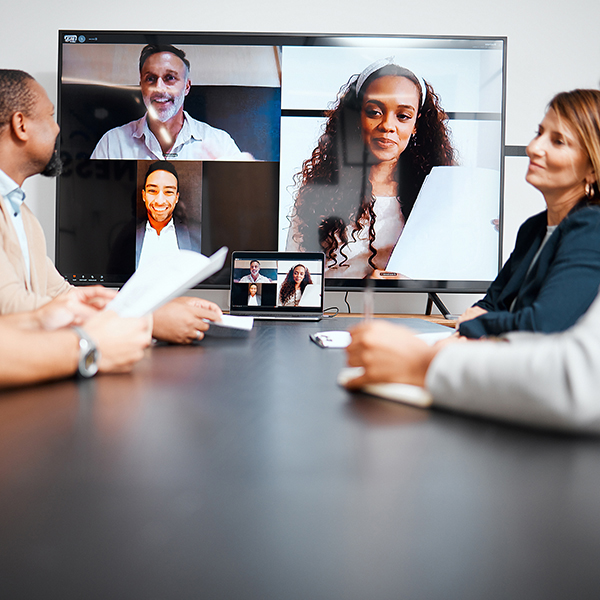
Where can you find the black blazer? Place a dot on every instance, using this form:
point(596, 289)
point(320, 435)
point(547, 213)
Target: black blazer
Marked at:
point(561, 285)
point(188, 238)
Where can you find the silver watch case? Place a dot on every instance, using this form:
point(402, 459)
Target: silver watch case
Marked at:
point(89, 355)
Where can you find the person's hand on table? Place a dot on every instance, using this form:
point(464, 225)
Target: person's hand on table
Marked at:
point(183, 320)
point(471, 313)
point(74, 307)
point(390, 354)
point(121, 341)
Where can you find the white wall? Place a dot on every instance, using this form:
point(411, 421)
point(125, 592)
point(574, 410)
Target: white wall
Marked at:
point(551, 47)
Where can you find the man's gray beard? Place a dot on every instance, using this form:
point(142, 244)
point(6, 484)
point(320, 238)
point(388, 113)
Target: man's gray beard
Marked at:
point(164, 116)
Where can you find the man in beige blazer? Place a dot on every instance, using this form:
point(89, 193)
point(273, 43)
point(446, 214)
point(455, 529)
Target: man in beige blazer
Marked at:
point(68, 334)
point(28, 279)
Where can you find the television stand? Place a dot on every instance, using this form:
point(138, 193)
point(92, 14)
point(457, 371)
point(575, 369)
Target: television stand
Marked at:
point(433, 298)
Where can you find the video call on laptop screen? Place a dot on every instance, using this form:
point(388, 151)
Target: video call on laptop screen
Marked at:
point(277, 282)
point(279, 157)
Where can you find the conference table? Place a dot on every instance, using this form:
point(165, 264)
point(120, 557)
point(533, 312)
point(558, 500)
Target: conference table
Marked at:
point(237, 468)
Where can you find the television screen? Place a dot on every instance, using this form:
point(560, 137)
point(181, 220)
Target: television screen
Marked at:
point(384, 152)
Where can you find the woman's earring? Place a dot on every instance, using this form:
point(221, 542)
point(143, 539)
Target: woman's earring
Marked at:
point(589, 190)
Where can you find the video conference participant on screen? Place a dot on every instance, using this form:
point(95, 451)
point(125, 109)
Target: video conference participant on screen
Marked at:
point(553, 273)
point(254, 276)
point(254, 298)
point(28, 278)
point(166, 130)
point(162, 230)
point(295, 283)
point(382, 138)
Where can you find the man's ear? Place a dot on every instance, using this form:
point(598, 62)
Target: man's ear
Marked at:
point(18, 125)
point(188, 85)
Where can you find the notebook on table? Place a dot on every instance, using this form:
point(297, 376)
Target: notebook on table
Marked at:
point(277, 285)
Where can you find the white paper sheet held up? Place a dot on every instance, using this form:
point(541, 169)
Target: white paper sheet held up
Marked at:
point(161, 280)
point(451, 233)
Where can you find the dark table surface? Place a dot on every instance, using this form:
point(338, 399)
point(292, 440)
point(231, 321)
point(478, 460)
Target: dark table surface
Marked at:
point(237, 468)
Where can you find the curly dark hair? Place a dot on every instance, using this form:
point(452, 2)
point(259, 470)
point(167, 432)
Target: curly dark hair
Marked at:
point(288, 287)
point(334, 188)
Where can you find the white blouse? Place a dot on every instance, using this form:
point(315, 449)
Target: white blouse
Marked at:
point(389, 223)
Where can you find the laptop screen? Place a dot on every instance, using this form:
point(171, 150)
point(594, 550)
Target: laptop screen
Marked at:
point(277, 284)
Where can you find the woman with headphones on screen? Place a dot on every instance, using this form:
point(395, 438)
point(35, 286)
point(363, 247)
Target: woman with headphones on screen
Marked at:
point(382, 138)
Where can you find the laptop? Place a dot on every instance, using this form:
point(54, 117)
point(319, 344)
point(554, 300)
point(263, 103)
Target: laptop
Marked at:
point(277, 285)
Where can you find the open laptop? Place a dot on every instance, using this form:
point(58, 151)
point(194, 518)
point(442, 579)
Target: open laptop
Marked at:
point(277, 285)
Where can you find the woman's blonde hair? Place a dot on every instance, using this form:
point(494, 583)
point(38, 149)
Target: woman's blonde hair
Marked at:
point(581, 110)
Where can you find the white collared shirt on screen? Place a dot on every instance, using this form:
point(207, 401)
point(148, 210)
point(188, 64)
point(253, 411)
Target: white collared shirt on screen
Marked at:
point(259, 279)
point(195, 141)
point(155, 244)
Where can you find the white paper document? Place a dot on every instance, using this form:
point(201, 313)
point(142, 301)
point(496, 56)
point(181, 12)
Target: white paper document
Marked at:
point(230, 326)
point(436, 336)
point(451, 232)
point(160, 280)
point(235, 322)
point(331, 339)
point(398, 392)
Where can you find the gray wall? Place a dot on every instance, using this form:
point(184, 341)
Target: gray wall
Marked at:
point(551, 47)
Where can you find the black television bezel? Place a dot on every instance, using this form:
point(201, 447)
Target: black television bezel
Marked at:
point(305, 39)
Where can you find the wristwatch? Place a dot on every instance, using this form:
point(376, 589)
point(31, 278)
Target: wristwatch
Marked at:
point(89, 355)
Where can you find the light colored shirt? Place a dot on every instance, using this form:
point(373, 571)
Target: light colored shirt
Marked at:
point(293, 300)
point(155, 244)
point(195, 141)
point(389, 224)
point(259, 279)
point(13, 197)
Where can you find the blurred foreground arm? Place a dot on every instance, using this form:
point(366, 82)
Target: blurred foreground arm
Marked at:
point(534, 379)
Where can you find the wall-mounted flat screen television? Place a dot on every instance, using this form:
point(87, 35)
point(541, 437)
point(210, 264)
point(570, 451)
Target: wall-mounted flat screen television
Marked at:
point(384, 152)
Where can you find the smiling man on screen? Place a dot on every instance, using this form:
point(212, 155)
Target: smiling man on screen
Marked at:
point(163, 228)
point(166, 131)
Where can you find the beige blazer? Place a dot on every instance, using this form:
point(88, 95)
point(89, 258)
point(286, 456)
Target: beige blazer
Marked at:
point(535, 379)
point(17, 291)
